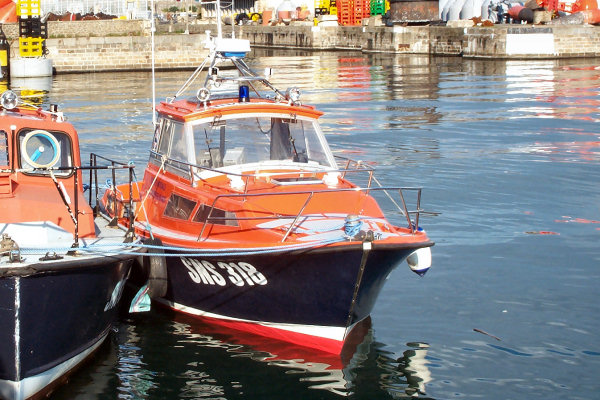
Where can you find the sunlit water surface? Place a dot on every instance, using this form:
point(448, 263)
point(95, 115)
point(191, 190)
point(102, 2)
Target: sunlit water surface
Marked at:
point(507, 151)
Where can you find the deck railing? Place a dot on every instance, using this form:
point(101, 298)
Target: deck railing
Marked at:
point(310, 194)
point(348, 166)
point(94, 186)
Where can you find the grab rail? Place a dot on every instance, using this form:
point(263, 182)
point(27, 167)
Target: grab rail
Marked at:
point(185, 167)
point(310, 195)
point(113, 167)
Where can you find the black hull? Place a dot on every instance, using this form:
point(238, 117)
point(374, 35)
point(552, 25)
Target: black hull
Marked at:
point(304, 292)
point(53, 316)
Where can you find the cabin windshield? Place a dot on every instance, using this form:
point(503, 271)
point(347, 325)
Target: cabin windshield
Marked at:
point(237, 141)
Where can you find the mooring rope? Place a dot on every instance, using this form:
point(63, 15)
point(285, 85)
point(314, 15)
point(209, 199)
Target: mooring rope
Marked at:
point(142, 206)
point(175, 251)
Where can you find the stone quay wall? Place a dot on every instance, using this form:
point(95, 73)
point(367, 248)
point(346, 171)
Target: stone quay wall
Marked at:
point(498, 42)
point(125, 53)
point(86, 46)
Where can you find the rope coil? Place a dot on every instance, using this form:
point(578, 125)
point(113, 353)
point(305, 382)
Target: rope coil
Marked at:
point(352, 225)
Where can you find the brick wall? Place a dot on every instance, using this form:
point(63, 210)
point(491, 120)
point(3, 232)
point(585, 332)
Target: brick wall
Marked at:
point(577, 41)
point(60, 29)
point(125, 53)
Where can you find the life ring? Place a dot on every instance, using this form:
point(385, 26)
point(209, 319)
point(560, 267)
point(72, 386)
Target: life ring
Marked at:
point(31, 154)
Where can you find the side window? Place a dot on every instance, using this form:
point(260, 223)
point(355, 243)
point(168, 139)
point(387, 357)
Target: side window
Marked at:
point(179, 207)
point(3, 149)
point(43, 149)
point(217, 216)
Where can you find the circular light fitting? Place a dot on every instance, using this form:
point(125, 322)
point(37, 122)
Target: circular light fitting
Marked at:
point(203, 94)
point(293, 94)
point(9, 100)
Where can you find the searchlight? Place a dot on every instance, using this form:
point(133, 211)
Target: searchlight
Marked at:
point(9, 100)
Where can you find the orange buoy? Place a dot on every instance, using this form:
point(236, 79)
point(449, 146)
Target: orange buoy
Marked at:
point(582, 5)
point(591, 16)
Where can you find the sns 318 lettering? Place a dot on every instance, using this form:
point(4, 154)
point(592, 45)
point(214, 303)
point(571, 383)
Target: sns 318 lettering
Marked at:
point(238, 273)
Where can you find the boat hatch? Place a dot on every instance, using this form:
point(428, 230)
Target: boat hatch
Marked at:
point(243, 139)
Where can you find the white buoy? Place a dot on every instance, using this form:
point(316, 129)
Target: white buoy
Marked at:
point(30, 67)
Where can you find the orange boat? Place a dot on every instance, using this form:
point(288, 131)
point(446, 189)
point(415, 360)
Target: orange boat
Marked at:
point(252, 221)
point(62, 267)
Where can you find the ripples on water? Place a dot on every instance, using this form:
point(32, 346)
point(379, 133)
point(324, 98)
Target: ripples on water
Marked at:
point(507, 151)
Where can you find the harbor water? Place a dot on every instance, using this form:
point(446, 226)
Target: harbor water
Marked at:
point(508, 154)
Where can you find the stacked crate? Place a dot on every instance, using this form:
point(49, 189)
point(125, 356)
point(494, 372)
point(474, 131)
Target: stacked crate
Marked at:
point(32, 31)
point(325, 7)
point(332, 7)
point(345, 12)
point(362, 9)
point(352, 12)
point(379, 7)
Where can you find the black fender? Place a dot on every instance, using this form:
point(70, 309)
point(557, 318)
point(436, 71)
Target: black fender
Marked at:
point(155, 268)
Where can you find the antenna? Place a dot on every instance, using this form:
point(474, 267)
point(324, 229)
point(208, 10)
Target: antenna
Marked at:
point(219, 30)
point(152, 30)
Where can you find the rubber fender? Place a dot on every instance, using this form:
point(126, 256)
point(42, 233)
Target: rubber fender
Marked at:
point(156, 268)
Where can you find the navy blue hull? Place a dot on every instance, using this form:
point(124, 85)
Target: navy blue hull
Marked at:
point(319, 287)
point(54, 312)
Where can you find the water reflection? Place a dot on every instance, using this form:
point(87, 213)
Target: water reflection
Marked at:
point(163, 356)
point(33, 91)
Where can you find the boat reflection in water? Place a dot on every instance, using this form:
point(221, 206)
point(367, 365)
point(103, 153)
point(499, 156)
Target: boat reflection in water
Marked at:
point(208, 361)
point(413, 366)
point(321, 370)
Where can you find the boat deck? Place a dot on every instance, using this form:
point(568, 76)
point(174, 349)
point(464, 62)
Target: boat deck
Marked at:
point(38, 242)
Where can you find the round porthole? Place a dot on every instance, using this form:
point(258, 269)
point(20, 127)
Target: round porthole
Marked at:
point(40, 149)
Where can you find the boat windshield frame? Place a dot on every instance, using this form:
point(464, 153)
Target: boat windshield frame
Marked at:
point(223, 145)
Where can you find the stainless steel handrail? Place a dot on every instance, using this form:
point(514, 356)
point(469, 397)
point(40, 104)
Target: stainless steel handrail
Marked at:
point(311, 193)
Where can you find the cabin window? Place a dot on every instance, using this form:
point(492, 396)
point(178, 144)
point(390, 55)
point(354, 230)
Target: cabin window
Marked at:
point(217, 216)
point(256, 139)
point(179, 207)
point(40, 149)
point(3, 149)
point(171, 140)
